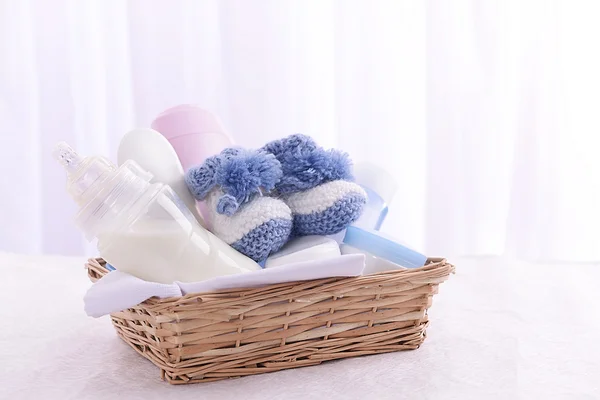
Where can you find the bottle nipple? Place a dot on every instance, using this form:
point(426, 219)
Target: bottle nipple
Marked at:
point(67, 157)
point(82, 172)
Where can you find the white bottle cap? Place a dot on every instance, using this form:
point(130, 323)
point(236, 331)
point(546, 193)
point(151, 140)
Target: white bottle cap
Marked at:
point(377, 179)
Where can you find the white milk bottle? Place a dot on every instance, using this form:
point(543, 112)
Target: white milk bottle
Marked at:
point(144, 229)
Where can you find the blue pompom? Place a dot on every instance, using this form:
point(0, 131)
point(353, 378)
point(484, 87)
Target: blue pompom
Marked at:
point(201, 179)
point(305, 165)
point(227, 205)
point(245, 174)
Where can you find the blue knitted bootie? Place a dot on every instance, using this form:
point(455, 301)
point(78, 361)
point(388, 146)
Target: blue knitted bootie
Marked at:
point(317, 186)
point(232, 185)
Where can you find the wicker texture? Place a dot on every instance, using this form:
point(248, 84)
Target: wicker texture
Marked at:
point(231, 333)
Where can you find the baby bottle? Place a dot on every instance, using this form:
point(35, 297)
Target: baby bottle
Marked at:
point(195, 134)
point(143, 228)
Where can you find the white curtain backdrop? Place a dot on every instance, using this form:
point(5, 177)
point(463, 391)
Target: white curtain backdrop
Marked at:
point(486, 112)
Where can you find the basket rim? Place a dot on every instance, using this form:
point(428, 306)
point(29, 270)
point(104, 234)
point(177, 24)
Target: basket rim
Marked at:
point(96, 270)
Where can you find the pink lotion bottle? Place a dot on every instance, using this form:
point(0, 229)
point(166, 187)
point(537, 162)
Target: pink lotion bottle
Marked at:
point(195, 134)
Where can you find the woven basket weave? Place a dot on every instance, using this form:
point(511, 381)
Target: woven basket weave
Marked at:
point(205, 337)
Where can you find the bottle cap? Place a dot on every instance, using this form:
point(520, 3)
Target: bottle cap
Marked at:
point(187, 119)
point(194, 133)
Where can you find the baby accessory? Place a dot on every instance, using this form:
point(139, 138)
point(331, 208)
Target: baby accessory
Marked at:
point(232, 184)
point(143, 228)
point(305, 248)
point(118, 290)
point(199, 318)
point(316, 185)
point(380, 187)
point(151, 151)
point(382, 253)
point(194, 133)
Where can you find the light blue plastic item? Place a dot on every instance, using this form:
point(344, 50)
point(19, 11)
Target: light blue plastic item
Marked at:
point(380, 187)
point(109, 267)
point(376, 244)
point(377, 204)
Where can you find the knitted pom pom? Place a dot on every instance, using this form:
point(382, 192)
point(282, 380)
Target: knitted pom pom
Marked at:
point(292, 143)
point(305, 165)
point(337, 165)
point(227, 205)
point(201, 179)
point(231, 152)
point(246, 173)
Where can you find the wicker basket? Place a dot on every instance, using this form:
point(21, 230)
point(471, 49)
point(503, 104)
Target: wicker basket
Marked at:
point(205, 337)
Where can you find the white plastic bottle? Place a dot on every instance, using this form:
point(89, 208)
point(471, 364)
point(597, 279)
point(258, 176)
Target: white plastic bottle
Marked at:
point(143, 228)
point(151, 151)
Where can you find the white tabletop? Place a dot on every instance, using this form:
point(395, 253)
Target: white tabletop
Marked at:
point(499, 330)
